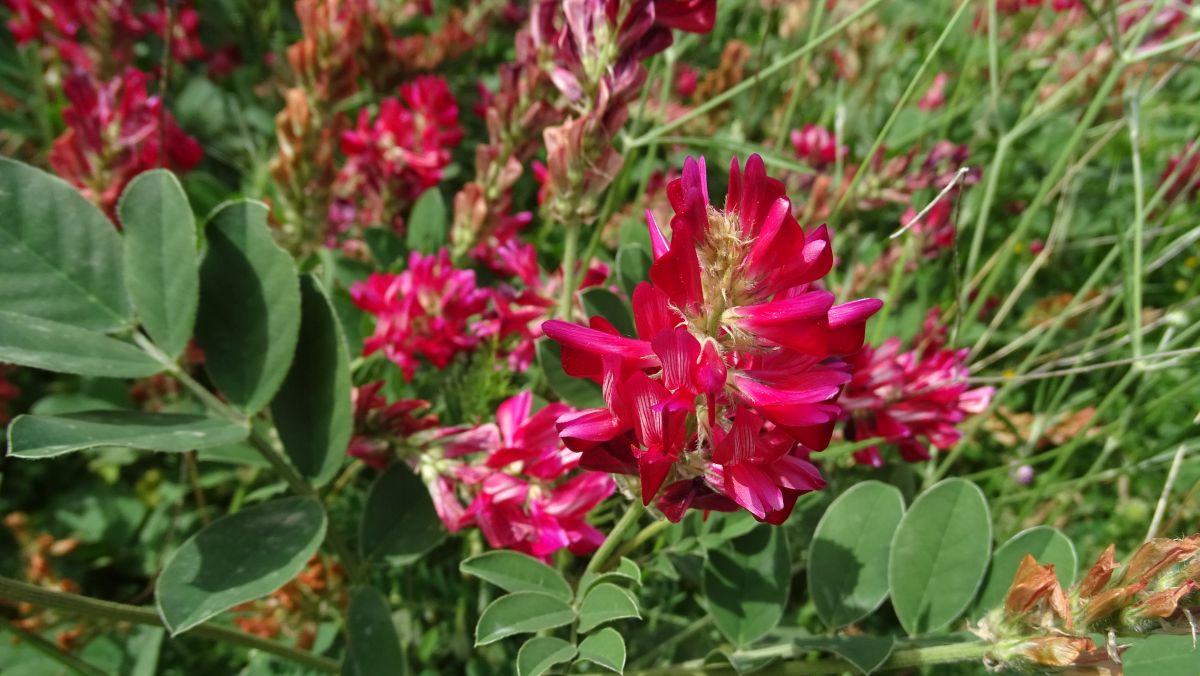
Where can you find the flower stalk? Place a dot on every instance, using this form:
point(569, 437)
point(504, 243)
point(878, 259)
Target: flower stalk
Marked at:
point(570, 254)
point(628, 520)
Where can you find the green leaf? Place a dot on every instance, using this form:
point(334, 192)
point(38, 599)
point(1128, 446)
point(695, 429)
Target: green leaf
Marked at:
point(427, 224)
point(249, 306)
point(1162, 655)
point(605, 648)
point(598, 301)
point(386, 247)
point(373, 644)
point(626, 572)
point(45, 436)
point(517, 572)
point(312, 409)
point(578, 392)
point(521, 613)
point(604, 603)
point(162, 268)
point(71, 402)
point(746, 584)
point(633, 230)
point(540, 653)
point(399, 523)
point(239, 558)
point(848, 558)
point(716, 529)
point(45, 344)
point(62, 256)
point(740, 663)
point(633, 266)
point(866, 653)
point(148, 645)
point(939, 555)
point(233, 454)
point(1044, 543)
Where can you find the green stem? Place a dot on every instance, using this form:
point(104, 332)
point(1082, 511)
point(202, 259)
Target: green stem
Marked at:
point(818, 15)
point(13, 590)
point(37, 81)
point(570, 254)
point(55, 653)
point(1136, 266)
point(643, 536)
point(297, 483)
point(901, 659)
point(615, 536)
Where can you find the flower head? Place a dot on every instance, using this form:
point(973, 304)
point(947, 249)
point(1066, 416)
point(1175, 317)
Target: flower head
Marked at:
point(817, 146)
point(935, 96)
point(111, 27)
point(426, 311)
point(403, 151)
point(515, 480)
point(379, 424)
point(736, 361)
point(911, 398)
point(113, 134)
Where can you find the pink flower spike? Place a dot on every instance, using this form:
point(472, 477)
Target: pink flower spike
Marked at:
point(912, 399)
point(731, 321)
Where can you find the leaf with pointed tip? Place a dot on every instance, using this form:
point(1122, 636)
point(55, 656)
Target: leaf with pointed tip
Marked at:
point(540, 653)
point(44, 344)
point(517, 572)
point(939, 555)
point(238, 558)
point(605, 648)
point(521, 613)
point(46, 436)
point(604, 603)
point(741, 663)
point(312, 409)
point(249, 315)
point(162, 268)
point(866, 653)
point(626, 572)
point(62, 256)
